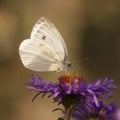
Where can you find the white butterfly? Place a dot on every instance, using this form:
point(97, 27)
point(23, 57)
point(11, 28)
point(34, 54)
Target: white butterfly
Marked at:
point(45, 50)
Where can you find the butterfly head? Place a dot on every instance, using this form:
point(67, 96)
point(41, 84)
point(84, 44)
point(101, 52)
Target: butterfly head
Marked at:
point(67, 65)
point(64, 66)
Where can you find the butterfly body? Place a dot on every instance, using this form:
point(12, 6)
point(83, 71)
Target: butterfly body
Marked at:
point(45, 50)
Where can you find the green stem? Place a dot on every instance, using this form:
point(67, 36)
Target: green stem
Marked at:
point(68, 113)
point(67, 116)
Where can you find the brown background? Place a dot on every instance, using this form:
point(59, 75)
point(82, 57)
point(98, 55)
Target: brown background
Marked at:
point(91, 29)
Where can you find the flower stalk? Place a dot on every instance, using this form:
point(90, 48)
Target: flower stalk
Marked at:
point(68, 114)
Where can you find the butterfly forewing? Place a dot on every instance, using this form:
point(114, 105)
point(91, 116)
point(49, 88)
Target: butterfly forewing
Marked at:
point(44, 30)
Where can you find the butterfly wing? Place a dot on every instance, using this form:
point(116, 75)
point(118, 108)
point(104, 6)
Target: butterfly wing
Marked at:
point(44, 30)
point(39, 56)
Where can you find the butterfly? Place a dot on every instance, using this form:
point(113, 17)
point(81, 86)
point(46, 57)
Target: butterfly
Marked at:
point(45, 50)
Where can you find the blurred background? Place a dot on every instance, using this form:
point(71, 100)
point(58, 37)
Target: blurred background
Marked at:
point(91, 29)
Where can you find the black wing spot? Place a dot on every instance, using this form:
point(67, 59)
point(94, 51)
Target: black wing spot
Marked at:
point(43, 37)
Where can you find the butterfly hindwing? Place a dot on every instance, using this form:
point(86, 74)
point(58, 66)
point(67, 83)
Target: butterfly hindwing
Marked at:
point(39, 57)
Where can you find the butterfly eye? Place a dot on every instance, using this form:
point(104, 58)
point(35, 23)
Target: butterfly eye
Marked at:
point(69, 65)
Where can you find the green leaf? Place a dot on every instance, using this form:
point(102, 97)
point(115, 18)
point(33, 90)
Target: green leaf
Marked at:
point(60, 118)
point(58, 109)
point(36, 96)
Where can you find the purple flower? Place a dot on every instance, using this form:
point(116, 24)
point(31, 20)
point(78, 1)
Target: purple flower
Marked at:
point(100, 112)
point(100, 90)
point(69, 86)
point(71, 89)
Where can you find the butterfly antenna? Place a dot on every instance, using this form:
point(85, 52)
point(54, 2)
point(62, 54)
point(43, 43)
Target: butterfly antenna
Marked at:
point(82, 60)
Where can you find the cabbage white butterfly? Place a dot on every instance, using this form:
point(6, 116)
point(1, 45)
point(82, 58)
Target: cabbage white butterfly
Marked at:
point(45, 50)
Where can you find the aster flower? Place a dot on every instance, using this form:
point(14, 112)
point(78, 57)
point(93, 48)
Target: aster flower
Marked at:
point(72, 90)
point(100, 112)
point(68, 86)
point(99, 90)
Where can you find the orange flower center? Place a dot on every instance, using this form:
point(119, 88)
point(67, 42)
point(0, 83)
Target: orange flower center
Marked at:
point(69, 79)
